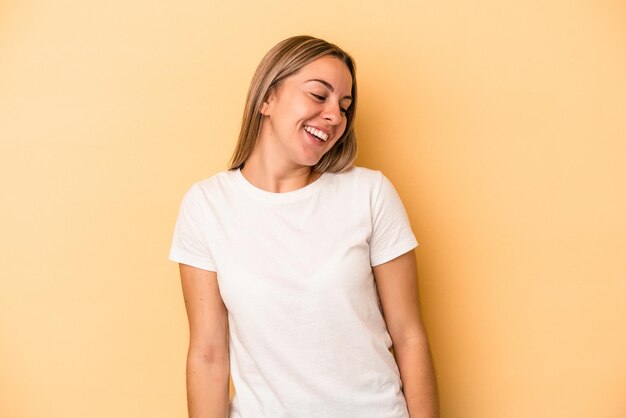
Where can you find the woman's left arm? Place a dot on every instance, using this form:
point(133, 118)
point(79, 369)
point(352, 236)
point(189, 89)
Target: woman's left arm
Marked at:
point(396, 281)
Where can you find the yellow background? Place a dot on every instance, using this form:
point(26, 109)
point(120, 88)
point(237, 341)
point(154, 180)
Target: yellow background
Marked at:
point(501, 123)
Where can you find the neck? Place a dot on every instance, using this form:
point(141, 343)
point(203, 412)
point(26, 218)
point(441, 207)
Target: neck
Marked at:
point(270, 175)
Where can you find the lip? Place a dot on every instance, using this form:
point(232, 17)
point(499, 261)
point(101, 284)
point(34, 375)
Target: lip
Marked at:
point(312, 139)
point(326, 131)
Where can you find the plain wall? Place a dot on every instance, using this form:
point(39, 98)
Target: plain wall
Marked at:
point(501, 123)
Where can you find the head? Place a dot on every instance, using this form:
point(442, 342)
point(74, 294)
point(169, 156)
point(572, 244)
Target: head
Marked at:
point(282, 61)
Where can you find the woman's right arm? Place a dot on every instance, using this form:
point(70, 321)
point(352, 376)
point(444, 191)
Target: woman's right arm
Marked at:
point(208, 364)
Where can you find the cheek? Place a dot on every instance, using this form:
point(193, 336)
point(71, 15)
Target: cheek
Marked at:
point(343, 126)
point(340, 133)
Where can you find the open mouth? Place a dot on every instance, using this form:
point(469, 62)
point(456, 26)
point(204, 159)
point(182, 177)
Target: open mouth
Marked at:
point(317, 134)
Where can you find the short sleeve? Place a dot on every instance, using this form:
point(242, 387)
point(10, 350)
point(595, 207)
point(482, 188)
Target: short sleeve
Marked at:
point(391, 231)
point(190, 243)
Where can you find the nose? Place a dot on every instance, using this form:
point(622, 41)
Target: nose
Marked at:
point(332, 113)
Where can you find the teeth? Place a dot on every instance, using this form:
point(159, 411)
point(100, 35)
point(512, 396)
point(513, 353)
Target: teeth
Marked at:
point(317, 133)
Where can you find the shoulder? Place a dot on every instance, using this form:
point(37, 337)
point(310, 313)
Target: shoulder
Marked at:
point(373, 183)
point(217, 181)
point(215, 184)
point(359, 185)
point(210, 188)
point(361, 176)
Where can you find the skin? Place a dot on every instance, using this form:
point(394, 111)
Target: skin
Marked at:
point(281, 162)
point(282, 158)
point(396, 282)
point(208, 364)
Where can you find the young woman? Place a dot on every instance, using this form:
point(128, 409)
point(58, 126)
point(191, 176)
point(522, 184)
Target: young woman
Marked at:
point(297, 267)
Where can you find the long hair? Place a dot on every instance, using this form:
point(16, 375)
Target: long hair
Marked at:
point(283, 60)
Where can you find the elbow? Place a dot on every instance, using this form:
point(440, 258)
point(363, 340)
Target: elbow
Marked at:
point(211, 354)
point(417, 341)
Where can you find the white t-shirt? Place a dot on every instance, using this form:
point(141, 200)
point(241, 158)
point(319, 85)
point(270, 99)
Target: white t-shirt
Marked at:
point(307, 335)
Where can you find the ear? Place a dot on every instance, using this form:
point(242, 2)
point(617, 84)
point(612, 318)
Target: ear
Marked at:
point(266, 107)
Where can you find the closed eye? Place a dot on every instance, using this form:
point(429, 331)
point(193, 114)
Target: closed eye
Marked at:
point(321, 98)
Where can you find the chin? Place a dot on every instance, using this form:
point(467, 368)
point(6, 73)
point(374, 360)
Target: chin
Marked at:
point(308, 157)
point(310, 161)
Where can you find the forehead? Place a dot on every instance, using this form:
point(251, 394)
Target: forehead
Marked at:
point(330, 69)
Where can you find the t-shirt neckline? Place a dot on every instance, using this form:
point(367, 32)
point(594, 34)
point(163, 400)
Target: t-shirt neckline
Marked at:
point(282, 196)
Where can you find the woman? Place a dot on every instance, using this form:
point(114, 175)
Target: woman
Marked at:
point(289, 260)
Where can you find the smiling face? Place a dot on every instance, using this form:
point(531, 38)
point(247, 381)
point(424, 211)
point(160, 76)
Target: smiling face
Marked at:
point(306, 114)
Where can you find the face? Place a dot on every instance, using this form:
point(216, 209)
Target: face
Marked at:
point(306, 115)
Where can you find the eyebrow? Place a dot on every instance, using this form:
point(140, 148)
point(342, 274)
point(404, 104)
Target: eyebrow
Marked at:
point(329, 86)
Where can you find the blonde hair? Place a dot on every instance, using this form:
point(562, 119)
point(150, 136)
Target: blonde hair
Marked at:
point(282, 61)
